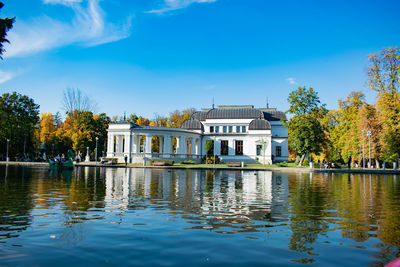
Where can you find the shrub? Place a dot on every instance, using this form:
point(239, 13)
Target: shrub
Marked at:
point(210, 159)
point(282, 164)
point(187, 162)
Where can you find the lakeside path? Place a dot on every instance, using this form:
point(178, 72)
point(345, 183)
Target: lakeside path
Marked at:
point(217, 167)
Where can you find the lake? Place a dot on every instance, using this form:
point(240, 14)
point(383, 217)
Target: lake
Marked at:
point(151, 217)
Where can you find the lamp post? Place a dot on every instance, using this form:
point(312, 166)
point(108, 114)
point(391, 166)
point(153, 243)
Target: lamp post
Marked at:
point(97, 139)
point(369, 148)
point(363, 131)
point(7, 158)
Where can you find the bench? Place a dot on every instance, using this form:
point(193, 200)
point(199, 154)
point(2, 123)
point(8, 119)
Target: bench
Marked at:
point(233, 164)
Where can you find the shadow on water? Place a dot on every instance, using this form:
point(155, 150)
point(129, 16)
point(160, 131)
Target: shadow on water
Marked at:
point(309, 213)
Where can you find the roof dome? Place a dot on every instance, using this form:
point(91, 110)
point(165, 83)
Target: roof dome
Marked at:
point(192, 124)
point(200, 115)
point(259, 124)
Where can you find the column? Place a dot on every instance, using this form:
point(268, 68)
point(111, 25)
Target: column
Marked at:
point(161, 144)
point(193, 147)
point(110, 145)
point(167, 146)
point(177, 145)
point(127, 143)
point(128, 146)
point(182, 146)
point(231, 147)
point(134, 143)
point(217, 147)
point(148, 144)
point(138, 137)
point(117, 144)
point(197, 146)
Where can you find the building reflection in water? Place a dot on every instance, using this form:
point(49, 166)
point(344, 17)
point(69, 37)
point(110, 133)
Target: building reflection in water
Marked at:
point(214, 199)
point(302, 210)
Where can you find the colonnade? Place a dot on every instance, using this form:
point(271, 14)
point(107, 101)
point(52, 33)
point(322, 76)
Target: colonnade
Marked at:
point(139, 145)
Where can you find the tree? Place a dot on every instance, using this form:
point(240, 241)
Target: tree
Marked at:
point(132, 118)
point(5, 25)
point(76, 100)
point(160, 121)
point(175, 119)
point(18, 118)
point(383, 77)
point(142, 121)
point(47, 128)
point(306, 133)
point(346, 133)
point(209, 147)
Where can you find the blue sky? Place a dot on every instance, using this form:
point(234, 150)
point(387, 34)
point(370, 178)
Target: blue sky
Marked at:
point(155, 56)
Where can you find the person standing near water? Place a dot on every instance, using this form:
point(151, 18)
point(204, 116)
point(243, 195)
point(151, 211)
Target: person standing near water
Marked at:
point(349, 162)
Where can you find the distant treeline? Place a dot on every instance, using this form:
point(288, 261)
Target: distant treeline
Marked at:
point(314, 131)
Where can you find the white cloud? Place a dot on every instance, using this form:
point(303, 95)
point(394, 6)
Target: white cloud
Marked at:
point(5, 76)
point(291, 80)
point(87, 28)
point(170, 5)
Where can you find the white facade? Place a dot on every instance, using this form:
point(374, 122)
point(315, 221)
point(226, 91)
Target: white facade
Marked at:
point(239, 133)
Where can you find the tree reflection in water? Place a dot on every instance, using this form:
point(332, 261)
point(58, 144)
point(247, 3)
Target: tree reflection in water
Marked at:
point(306, 211)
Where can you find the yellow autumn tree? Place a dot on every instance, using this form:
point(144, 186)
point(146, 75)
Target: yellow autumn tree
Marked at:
point(47, 128)
point(142, 121)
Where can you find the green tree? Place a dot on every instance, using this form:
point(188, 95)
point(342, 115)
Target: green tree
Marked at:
point(19, 115)
point(306, 133)
point(5, 25)
point(209, 147)
point(132, 118)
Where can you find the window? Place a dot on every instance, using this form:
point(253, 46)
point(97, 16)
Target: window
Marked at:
point(258, 148)
point(211, 129)
point(238, 129)
point(224, 147)
point(217, 129)
point(224, 129)
point(278, 150)
point(243, 129)
point(238, 147)
point(230, 129)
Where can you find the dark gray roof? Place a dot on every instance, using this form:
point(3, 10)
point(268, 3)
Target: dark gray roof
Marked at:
point(233, 112)
point(192, 124)
point(200, 115)
point(259, 124)
point(236, 113)
point(275, 115)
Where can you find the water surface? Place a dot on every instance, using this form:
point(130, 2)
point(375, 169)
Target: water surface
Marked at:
point(188, 217)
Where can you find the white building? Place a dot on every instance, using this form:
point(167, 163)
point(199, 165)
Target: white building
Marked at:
point(239, 133)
